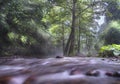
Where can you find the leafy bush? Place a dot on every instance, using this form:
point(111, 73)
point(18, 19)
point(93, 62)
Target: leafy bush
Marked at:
point(110, 50)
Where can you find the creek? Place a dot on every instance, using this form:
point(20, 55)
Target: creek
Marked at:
point(66, 70)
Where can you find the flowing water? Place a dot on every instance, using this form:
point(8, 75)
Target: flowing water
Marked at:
point(66, 70)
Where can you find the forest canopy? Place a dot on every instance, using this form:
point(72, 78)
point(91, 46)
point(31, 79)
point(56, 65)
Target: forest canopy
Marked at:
point(69, 27)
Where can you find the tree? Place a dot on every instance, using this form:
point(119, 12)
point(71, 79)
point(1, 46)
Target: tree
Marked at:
point(112, 36)
point(82, 10)
point(111, 30)
point(69, 49)
point(22, 27)
point(113, 10)
point(68, 23)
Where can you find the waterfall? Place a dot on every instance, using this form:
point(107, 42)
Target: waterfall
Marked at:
point(99, 21)
point(100, 15)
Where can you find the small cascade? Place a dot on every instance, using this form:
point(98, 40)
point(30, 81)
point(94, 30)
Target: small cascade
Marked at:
point(98, 25)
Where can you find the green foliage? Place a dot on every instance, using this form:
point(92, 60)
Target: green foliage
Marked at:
point(115, 24)
point(110, 50)
point(31, 25)
point(22, 27)
point(59, 20)
point(111, 34)
point(56, 30)
point(113, 9)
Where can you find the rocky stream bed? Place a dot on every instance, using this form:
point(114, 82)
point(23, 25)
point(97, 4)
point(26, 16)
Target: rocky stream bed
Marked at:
point(60, 70)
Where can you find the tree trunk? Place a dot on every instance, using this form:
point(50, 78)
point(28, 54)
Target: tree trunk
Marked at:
point(69, 50)
point(79, 37)
point(63, 38)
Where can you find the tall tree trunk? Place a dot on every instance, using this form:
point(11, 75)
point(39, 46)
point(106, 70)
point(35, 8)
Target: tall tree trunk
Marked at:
point(79, 38)
point(69, 50)
point(63, 38)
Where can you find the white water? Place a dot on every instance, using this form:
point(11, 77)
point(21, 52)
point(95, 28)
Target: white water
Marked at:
point(59, 77)
point(18, 79)
point(5, 67)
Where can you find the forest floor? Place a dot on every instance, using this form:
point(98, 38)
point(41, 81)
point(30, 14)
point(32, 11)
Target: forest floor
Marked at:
point(60, 70)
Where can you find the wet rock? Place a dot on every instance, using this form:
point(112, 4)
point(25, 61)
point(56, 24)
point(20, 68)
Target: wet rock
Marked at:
point(93, 73)
point(5, 79)
point(109, 74)
point(75, 72)
point(117, 74)
point(102, 59)
point(113, 74)
point(59, 56)
point(30, 80)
